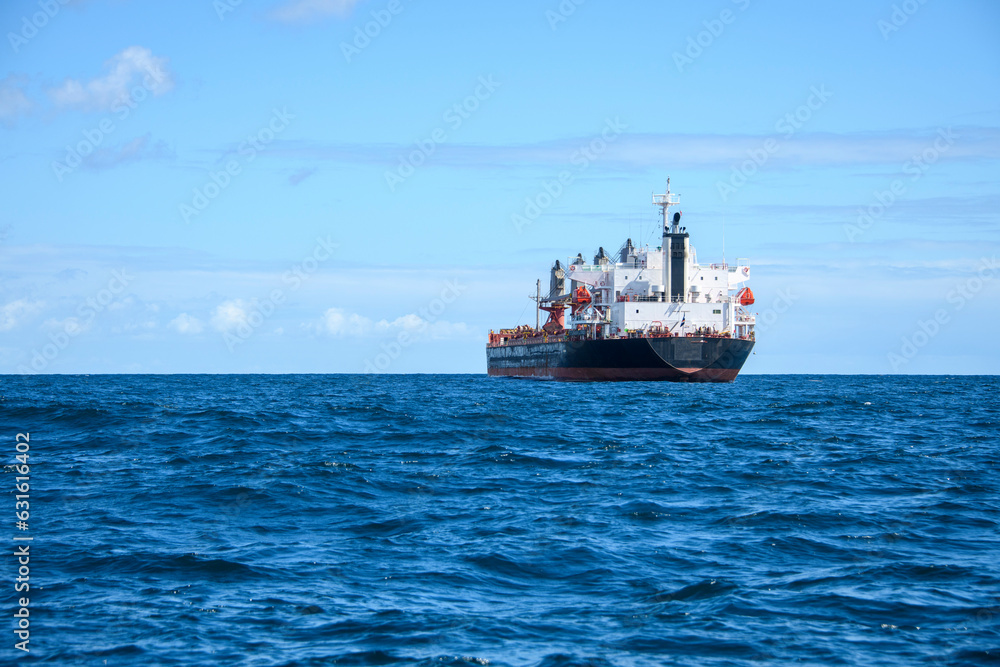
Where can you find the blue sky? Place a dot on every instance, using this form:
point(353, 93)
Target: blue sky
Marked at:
point(263, 187)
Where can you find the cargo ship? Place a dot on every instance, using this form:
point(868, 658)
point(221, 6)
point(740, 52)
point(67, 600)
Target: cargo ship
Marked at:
point(643, 313)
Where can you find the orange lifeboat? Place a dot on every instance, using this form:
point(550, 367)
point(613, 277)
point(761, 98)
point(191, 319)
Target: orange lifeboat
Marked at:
point(745, 296)
point(580, 299)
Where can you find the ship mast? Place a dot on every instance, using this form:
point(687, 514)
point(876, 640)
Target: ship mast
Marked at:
point(538, 303)
point(665, 202)
point(675, 248)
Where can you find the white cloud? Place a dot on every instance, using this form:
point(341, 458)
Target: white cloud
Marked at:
point(186, 324)
point(230, 314)
point(13, 101)
point(301, 11)
point(15, 312)
point(410, 322)
point(337, 322)
point(128, 70)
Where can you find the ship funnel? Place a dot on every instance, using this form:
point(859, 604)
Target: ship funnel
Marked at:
point(676, 248)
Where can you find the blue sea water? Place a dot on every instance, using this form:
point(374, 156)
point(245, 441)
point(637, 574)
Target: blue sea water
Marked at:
point(457, 520)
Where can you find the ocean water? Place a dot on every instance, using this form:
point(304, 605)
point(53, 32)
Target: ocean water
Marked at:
point(463, 520)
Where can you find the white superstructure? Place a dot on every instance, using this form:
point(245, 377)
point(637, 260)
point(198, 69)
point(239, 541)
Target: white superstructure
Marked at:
point(654, 290)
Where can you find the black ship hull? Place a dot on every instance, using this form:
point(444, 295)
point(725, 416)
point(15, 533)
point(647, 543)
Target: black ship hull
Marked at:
point(676, 359)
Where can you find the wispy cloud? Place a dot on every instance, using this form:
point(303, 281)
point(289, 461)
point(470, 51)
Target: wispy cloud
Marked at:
point(66, 324)
point(301, 175)
point(126, 70)
point(304, 11)
point(972, 211)
point(682, 151)
point(140, 148)
point(13, 102)
point(892, 263)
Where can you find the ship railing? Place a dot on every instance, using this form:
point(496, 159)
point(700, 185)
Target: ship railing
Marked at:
point(637, 298)
point(676, 299)
point(503, 341)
